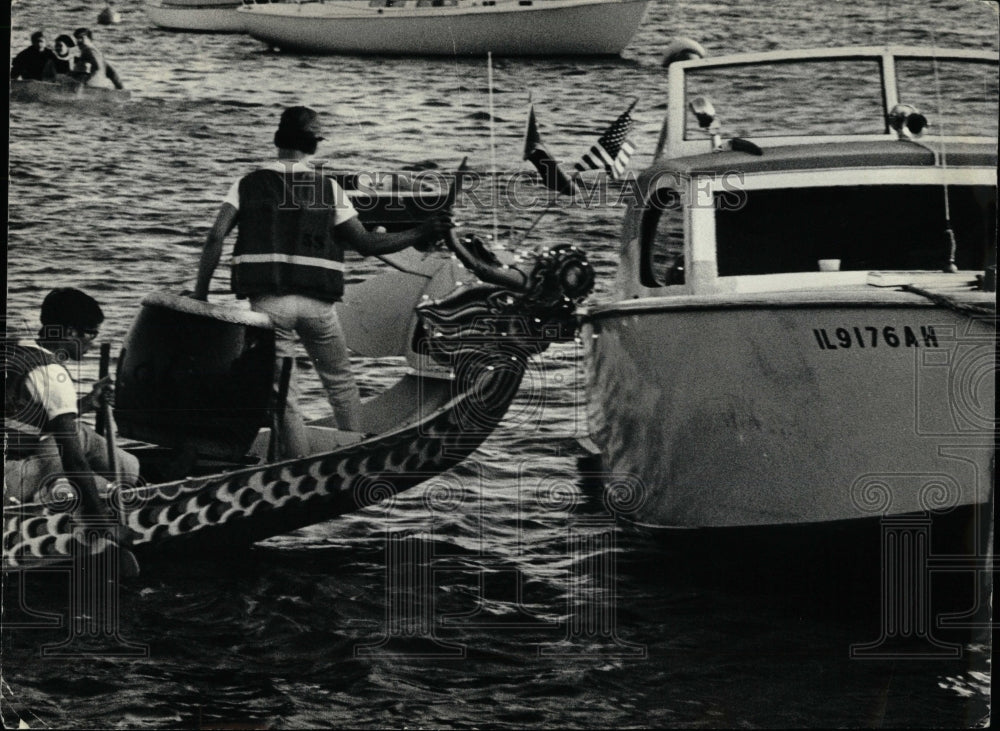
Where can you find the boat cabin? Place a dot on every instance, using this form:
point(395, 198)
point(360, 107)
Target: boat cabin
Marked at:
point(783, 191)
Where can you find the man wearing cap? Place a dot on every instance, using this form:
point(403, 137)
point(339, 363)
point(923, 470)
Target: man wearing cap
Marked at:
point(294, 226)
point(30, 63)
point(43, 438)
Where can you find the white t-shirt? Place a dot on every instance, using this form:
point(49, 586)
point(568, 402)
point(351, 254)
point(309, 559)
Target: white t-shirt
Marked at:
point(50, 386)
point(344, 210)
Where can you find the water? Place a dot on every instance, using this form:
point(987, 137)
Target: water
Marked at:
point(306, 630)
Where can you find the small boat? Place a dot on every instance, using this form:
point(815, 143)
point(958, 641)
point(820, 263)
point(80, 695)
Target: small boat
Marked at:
point(210, 16)
point(193, 394)
point(803, 327)
point(65, 91)
point(447, 27)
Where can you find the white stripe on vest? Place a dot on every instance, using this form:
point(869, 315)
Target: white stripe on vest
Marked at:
point(309, 261)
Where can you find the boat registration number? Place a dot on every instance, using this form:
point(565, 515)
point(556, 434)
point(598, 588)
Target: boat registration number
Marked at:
point(875, 337)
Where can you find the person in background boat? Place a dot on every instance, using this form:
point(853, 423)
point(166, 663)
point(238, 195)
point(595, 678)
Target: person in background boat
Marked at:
point(44, 438)
point(30, 63)
point(294, 225)
point(92, 68)
point(62, 62)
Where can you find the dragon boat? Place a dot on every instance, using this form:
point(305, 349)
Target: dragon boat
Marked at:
point(195, 400)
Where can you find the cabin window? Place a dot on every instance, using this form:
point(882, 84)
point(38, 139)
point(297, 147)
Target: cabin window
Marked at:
point(386, 3)
point(866, 227)
point(791, 99)
point(661, 240)
point(957, 97)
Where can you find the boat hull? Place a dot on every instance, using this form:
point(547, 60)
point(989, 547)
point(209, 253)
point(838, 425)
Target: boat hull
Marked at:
point(799, 410)
point(65, 92)
point(233, 509)
point(205, 17)
point(551, 28)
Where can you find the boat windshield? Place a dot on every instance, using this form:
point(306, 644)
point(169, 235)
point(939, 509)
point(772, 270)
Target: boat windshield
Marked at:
point(843, 96)
point(885, 227)
point(750, 98)
point(961, 99)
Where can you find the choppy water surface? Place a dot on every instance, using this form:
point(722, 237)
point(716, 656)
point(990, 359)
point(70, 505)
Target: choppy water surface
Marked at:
point(541, 611)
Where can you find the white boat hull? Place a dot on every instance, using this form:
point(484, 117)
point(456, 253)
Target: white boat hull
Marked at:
point(207, 17)
point(545, 28)
point(717, 414)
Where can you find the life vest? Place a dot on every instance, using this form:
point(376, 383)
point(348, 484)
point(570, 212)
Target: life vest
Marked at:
point(285, 243)
point(25, 418)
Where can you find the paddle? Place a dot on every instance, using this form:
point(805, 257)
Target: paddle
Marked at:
point(128, 566)
point(280, 403)
point(105, 420)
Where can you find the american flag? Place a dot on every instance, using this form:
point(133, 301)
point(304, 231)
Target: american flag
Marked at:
point(612, 151)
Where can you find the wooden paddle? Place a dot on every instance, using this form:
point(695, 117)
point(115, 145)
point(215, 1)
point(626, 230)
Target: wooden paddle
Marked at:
point(274, 446)
point(104, 424)
point(128, 566)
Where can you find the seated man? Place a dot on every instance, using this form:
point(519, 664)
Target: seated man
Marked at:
point(43, 438)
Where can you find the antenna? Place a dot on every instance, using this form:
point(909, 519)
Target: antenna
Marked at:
point(493, 150)
point(949, 232)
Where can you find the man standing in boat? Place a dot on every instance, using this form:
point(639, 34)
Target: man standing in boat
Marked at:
point(30, 63)
point(294, 226)
point(95, 69)
point(43, 436)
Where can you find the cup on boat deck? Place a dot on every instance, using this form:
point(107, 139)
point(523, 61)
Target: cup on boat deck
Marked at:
point(829, 265)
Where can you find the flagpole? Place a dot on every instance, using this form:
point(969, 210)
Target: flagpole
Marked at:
point(493, 149)
point(545, 211)
point(539, 217)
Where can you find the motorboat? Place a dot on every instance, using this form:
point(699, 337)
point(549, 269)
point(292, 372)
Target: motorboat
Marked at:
point(64, 91)
point(803, 325)
point(195, 403)
point(447, 27)
point(210, 16)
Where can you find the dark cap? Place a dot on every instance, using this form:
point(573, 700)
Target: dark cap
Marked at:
point(36, 35)
point(83, 32)
point(65, 40)
point(302, 121)
point(68, 306)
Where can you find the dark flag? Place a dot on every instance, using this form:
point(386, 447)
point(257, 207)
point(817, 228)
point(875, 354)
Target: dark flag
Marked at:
point(612, 151)
point(535, 152)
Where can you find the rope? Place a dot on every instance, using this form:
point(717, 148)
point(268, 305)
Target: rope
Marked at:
point(950, 303)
